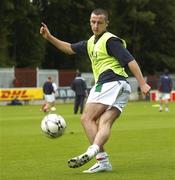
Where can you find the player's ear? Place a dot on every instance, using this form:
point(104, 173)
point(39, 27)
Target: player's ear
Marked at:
point(107, 22)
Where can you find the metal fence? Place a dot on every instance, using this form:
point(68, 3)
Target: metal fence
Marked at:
point(35, 77)
point(43, 74)
point(6, 77)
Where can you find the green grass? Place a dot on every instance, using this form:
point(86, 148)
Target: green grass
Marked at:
point(141, 146)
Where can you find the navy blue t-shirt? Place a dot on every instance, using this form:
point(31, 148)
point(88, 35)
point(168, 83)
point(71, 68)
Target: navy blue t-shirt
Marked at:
point(165, 84)
point(114, 48)
point(48, 88)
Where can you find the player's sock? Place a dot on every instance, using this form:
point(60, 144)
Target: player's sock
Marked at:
point(102, 157)
point(92, 150)
point(102, 164)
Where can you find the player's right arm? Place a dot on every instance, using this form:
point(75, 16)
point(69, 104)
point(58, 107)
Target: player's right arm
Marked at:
point(61, 45)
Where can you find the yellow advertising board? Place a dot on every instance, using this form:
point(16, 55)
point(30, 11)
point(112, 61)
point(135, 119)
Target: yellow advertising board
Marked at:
point(21, 94)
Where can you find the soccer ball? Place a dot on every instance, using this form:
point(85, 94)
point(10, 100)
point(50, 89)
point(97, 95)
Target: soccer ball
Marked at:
point(53, 125)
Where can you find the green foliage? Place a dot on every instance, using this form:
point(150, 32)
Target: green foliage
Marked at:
point(159, 40)
point(5, 7)
point(21, 43)
point(146, 26)
point(29, 48)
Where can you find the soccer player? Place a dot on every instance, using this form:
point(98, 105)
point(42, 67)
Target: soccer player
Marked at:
point(164, 88)
point(109, 95)
point(49, 96)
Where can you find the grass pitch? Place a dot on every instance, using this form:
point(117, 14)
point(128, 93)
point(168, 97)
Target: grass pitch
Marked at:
point(141, 146)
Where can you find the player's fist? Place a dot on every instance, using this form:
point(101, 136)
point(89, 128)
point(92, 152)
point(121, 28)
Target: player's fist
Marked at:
point(44, 31)
point(145, 88)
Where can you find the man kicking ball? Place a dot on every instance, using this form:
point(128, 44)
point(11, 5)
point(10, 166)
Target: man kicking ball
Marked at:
point(109, 95)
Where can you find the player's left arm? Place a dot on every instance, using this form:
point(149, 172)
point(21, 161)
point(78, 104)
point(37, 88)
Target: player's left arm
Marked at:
point(135, 69)
point(125, 58)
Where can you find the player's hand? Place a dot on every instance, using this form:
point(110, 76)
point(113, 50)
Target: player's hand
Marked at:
point(44, 31)
point(145, 89)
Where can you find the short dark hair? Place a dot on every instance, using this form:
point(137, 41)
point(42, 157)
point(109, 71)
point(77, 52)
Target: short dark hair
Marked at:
point(100, 11)
point(78, 74)
point(166, 71)
point(49, 78)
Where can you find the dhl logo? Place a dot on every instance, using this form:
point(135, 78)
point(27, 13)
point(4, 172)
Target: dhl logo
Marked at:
point(22, 94)
point(7, 94)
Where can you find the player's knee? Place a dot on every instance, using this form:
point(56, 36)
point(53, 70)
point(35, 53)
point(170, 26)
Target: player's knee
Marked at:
point(86, 120)
point(83, 119)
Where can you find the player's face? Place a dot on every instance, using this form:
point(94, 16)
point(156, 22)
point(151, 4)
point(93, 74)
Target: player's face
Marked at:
point(98, 23)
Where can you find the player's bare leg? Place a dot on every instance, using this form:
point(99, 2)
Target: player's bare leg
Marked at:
point(89, 121)
point(104, 128)
point(97, 123)
point(161, 105)
point(105, 123)
point(45, 107)
point(52, 106)
point(166, 105)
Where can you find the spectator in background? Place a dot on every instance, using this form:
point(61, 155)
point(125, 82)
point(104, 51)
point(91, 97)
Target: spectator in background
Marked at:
point(49, 96)
point(15, 102)
point(80, 88)
point(164, 88)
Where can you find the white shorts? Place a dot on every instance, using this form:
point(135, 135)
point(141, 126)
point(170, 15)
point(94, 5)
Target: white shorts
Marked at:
point(113, 94)
point(49, 97)
point(164, 96)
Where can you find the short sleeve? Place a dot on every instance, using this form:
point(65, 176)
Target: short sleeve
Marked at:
point(80, 47)
point(116, 49)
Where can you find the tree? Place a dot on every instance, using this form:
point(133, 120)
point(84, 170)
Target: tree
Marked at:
point(147, 28)
point(21, 44)
point(159, 39)
point(5, 20)
point(27, 47)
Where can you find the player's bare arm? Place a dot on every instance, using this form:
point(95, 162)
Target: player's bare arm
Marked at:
point(134, 68)
point(61, 45)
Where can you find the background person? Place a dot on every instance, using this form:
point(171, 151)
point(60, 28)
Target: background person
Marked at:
point(111, 91)
point(49, 96)
point(15, 101)
point(79, 86)
point(164, 87)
